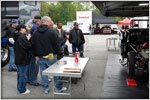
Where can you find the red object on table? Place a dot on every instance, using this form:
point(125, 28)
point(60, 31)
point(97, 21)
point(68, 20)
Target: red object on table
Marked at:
point(76, 57)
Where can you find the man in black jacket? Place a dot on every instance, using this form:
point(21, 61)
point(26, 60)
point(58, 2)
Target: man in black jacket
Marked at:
point(46, 49)
point(10, 35)
point(76, 37)
point(21, 48)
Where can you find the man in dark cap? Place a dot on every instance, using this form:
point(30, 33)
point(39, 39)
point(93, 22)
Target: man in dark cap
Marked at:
point(10, 35)
point(21, 48)
point(34, 68)
point(76, 38)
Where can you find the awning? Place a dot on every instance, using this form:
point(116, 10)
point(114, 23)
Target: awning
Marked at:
point(98, 18)
point(123, 8)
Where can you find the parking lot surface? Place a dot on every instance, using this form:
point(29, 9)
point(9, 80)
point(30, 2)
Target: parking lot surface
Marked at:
point(88, 87)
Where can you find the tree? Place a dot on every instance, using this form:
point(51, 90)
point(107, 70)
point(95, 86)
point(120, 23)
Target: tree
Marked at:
point(44, 8)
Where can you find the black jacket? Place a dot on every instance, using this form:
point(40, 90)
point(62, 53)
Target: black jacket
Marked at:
point(10, 34)
point(21, 48)
point(62, 38)
point(76, 37)
point(44, 41)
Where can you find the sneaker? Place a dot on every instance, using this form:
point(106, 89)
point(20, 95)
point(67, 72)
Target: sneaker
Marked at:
point(62, 89)
point(36, 84)
point(10, 70)
point(46, 91)
point(49, 79)
point(82, 55)
point(15, 70)
point(26, 92)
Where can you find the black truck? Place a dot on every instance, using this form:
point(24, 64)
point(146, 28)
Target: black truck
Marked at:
point(135, 48)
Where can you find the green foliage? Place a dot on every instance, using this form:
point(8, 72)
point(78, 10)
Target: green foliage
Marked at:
point(64, 11)
point(44, 8)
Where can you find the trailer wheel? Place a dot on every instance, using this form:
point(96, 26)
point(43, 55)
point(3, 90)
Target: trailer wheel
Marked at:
point(4, 56)
point(131, 63)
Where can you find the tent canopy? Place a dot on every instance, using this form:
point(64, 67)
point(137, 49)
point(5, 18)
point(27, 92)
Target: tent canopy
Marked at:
point(97, 18)
point(126, 21)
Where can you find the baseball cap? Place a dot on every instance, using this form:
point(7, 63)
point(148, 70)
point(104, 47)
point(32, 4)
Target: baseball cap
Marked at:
point(75, 23)
point(21, 26)
point(15, 21)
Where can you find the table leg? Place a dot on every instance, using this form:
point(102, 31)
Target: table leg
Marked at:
point(70, 86)
point(115, 44)
point(53, 86)
point(109, 42)
point(106, 42)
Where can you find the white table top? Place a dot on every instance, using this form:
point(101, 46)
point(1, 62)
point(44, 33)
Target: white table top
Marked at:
point(57, 68)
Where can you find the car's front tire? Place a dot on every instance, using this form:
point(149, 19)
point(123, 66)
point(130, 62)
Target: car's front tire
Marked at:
point(131, 63)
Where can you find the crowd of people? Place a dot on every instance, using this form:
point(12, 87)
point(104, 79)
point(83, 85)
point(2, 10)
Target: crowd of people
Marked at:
point(37, 49)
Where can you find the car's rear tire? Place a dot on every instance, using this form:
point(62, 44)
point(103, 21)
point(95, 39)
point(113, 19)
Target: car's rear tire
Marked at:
point(131, 63)
point(5, 56)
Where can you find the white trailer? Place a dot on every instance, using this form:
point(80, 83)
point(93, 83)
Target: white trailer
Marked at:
point(84, 19)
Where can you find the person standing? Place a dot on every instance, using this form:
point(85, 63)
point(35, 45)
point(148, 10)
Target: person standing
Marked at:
point(90, 30)
point(34, 67)
point(35, 24)
point(21, 48)
point(62, 37)
point(46, 49)
point(10, 35)
point(76, 38)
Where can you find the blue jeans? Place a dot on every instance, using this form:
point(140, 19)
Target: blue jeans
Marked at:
point(62, 47)
point(44, 64)
point(12, 59)
point(33, 70)
point(90, 31)
point(22, 78)
point(77, 49)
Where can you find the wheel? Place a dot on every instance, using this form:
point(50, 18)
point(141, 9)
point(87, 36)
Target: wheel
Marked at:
point(131, 63)
point(4, 56)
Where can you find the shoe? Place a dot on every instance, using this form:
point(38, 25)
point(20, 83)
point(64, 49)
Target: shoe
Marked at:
point(81, 55)
point(74, 80)
point(49, 79)
point(37, 84)
point(14, 70)
point(61, 90)
point(10, 70)
point(26, 92)
point(46, 91)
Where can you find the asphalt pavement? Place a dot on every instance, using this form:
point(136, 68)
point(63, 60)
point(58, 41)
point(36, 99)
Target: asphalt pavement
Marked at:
point(90, 86)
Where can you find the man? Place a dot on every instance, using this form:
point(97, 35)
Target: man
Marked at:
point(76, 38)
point(34, 68)
point(62, 37)
point(35, 24)
point(10, 34)
point(46, 47)
point(21, 48)
point(51, 25)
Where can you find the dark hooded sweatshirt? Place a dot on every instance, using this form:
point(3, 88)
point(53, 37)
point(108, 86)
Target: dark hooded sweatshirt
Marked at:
point(21, 48)
point(44, 41)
